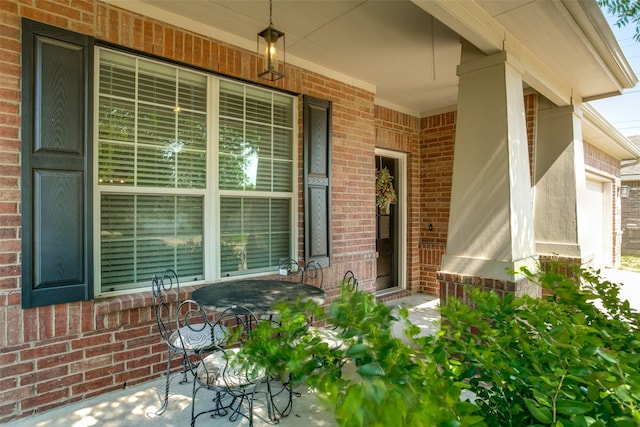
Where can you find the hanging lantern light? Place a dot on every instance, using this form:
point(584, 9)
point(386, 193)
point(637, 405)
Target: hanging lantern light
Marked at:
point(270, 46)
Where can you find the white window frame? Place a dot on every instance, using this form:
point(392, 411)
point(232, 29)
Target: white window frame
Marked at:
point(211, 193)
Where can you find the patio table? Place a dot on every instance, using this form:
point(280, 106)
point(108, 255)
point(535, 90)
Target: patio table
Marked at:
point(258, 295)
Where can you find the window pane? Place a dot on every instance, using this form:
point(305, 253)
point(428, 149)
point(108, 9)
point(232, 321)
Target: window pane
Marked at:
point(142, 235)
point(165, 121)
point(157, 83)
point(258, 136)
point(152, 129)
point(117, 120)
point(156, 125)
point(250, 143)
point(258, 105)
point(117, 74)
point(238, 157)
point(190, 93)
point(116, 133)
point(282, 176)
point(264, 174)
point(283, 145)
point(282, 110)
point(231, 100)
point(255, 233)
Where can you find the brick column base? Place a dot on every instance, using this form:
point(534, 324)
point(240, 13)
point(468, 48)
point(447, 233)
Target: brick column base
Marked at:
point(453, 285)
point(563, 265)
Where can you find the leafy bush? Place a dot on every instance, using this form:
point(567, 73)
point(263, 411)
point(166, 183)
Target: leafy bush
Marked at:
point(570, 359)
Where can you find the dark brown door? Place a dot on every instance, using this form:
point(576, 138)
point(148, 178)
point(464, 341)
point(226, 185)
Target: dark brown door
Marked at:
point(386, 232)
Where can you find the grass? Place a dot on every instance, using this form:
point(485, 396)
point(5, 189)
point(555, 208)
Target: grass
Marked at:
point(630, 263)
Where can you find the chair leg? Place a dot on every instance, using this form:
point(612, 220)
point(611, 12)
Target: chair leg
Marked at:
point(165, 401)
point(193, 403)
point(287, 388)
point(185, 368)
point(237, 409)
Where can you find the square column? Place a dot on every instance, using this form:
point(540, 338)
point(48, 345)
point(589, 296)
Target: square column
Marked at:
point(560, 183)
point(491, 228)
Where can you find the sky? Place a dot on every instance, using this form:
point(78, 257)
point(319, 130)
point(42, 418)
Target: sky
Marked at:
point(623, 111)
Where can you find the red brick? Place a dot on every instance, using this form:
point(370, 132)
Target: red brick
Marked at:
point(109, 370)
point(45, 350)
point(91, 341)
point(60, 320)
point(131, 375)
point(8, 383)
point(60, 382)
point(46, 322)
point(17, 394)
point(7, 411)
point(59, 359)
point(87, 386)
point(44, 398)
point(87, 318)
point(132, 354)
point(134, 332)
point(104, 349)
point(44, 375)
point(92, 363)
point(141, 362)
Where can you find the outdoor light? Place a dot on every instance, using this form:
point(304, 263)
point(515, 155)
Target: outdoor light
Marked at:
point(270, 41)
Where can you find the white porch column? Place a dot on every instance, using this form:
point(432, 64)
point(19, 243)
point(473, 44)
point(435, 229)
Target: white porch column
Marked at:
point(560, 183)
point(491, 218)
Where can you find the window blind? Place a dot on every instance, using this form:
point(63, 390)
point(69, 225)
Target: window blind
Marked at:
point(152, 135)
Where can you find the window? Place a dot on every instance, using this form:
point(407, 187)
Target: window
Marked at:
point(162, 203)
point(256, 190)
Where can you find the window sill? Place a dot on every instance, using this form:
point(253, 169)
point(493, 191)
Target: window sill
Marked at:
point(134, 300)
point(114, 304)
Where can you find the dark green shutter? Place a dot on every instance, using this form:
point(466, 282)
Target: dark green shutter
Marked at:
point(57, 69)
point(317, 180)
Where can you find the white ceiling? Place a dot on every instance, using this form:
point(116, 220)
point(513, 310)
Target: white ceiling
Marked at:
point(397, 49)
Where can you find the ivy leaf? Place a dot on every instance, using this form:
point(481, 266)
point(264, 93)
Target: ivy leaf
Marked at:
point(371, 369)
point(541, 414)
point(356, 349)
point(606, 356)
point(572, 407)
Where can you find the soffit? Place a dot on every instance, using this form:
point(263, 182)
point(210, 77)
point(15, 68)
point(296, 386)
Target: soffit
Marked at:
point(399, 51)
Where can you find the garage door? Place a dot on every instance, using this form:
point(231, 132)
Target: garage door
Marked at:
point(594, 242)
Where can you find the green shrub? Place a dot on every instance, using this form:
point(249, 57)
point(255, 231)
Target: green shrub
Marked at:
point(570, 359)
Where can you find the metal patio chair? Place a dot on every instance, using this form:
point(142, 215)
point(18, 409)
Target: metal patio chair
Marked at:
point(331, 334)
point(233, 385)
point(182, 342)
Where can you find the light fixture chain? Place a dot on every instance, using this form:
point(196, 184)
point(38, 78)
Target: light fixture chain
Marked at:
point(270, 13)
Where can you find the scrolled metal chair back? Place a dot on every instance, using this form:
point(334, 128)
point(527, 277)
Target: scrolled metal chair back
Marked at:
point(289, 267)
point(165, 289)
point(313, 274)
point(192, 320)
point(237, 322)
point(349, 281)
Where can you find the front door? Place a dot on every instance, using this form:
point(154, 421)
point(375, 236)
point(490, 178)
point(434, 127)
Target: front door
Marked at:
point(386, 233)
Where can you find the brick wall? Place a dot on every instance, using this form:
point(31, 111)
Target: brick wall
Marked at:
point(436, 173)
point(630, 207)
point(401, 132)
point(58, 354)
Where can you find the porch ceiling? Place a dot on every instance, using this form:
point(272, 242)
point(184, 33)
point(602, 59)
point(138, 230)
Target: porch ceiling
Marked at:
point(407, 51)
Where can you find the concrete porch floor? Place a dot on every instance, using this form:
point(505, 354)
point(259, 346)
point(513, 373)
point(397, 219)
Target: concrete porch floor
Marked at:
point(131, 406)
